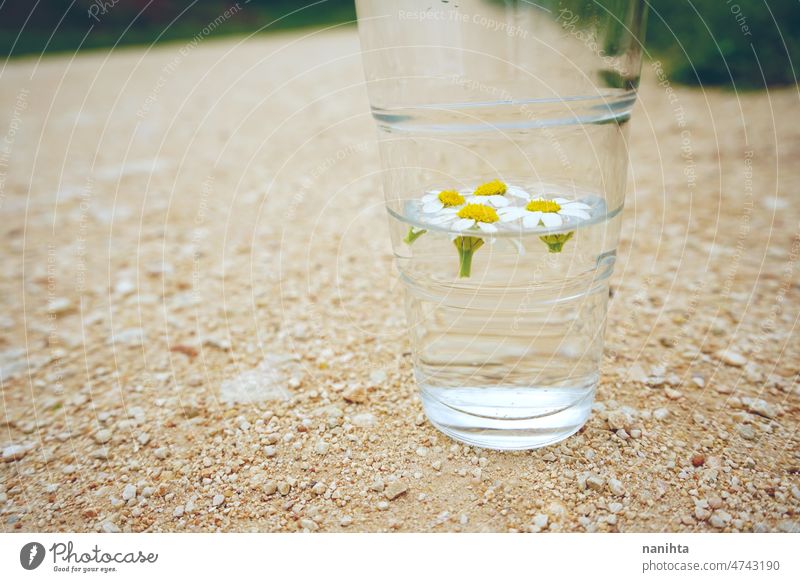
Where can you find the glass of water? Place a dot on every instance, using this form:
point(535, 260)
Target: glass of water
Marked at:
point(503, 132)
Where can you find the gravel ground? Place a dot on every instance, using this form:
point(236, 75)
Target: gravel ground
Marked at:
point(202, 329)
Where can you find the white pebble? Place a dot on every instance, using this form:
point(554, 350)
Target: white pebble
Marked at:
point(733, 358)
point(661, 414)
point(102, 436)
point(616, 487)
point(395, 489)
point(129, 492)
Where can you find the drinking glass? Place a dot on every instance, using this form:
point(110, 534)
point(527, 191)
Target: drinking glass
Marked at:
point(503, 132)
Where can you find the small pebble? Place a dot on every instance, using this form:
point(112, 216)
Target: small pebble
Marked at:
point(364, 420)
point(218, 500)
point(355, 394)
point(595, 482)
point(129, 492)
point(618, 419)
point(102, 436)
point(719, 519)
point(733, 358)
point(395, 489)
point(760, 407)
point(746, 431)
point(701, 514)
point(14, 452)
point(661, 413)
point(616, 487)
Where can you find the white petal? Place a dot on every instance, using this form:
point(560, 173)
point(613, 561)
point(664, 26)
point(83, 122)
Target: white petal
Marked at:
point(463, 224)
point(577, 212)
point(432, 207)
point(498, 201)
point(518, 192)
point(450, 210)
point(429, 197)
point(532, 219)
point(433, 192)
point(551, 219)
point(487, 227)
point(510, 214)
point(558, 200)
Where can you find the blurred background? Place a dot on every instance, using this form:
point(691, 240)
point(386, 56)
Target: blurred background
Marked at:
point(744, 44)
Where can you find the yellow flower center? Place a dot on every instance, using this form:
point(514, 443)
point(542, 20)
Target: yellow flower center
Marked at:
point(542, 205)
point(493, 188)
point(479, 212)
point(450, 198)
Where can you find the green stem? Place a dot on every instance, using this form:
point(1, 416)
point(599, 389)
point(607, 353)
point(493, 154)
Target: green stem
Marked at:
point(413, 235)
point(555, 242)
point(466, 246)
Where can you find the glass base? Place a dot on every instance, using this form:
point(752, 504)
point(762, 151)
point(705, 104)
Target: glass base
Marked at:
point(466, 417)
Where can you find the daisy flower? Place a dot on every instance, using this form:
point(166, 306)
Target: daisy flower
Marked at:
point(549, 212)
point(478, 216)
point(492, 193)
point(439, 207)
point(472, 217)
point(437, 200)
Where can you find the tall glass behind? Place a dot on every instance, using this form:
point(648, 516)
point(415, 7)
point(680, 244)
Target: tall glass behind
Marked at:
point(465, 92)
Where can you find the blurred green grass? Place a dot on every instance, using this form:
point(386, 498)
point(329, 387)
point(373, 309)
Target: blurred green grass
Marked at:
point(743, 44)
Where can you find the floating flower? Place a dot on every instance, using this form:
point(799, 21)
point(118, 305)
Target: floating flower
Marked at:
point(549, 212)
point(472, 216)
point(437, 201)
point(491, 193)
point(476, 216)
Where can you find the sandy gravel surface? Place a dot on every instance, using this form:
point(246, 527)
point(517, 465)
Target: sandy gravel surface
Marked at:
point(202, 330)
